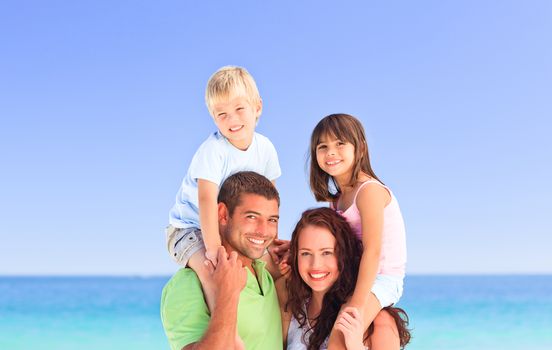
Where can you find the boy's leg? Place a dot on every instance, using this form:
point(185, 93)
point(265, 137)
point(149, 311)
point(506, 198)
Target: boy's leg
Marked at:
point(186, 247)
point(197, 263)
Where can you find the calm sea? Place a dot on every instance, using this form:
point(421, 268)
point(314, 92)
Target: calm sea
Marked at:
point(446, 312)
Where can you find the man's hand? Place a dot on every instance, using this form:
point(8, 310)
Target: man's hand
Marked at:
point(229, 276)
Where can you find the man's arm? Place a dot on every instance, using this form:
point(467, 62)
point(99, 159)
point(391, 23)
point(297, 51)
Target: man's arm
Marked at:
point(230, 277)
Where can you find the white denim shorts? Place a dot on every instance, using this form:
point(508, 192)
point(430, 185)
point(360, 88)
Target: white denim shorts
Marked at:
point(388, 289)
point(182, 243)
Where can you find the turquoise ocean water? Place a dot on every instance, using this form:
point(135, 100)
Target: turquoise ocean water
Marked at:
point(446, 312)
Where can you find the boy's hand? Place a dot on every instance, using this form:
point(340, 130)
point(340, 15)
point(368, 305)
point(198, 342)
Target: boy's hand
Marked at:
point(278, 249)
point(349, 322)
point(211, 254)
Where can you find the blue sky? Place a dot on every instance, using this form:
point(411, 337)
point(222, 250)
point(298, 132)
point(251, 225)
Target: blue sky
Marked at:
point(101, 104)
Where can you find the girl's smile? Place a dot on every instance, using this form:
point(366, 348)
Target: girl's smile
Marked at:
point(335, 157)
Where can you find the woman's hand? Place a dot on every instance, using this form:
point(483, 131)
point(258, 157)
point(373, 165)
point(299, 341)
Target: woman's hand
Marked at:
point(349, 322)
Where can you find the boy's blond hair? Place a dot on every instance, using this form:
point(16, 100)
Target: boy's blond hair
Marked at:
point(229, 82)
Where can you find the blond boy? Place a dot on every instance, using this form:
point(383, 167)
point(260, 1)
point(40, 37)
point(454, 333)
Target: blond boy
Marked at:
point(234, 103)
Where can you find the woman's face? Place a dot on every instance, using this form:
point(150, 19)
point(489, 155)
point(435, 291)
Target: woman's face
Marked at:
point(317, 260)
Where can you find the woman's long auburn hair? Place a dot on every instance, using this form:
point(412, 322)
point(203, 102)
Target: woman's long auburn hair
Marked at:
point(347, 128)
point(348, 250)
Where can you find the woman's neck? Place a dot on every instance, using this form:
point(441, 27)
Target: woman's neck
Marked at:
point(315, 304)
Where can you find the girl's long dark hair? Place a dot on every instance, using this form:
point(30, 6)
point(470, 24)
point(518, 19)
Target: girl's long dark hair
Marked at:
point(348, 250)
point(347, 128)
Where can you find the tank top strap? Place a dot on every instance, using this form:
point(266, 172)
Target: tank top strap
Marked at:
point(367, 182)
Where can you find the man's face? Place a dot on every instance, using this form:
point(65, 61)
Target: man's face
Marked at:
point(252, 226)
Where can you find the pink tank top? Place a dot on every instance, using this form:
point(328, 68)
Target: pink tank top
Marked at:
point(393, 250)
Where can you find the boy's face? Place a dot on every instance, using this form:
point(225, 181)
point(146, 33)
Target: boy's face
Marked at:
point(236, 119)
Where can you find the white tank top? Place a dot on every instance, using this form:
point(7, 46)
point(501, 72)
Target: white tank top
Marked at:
point(295, 336)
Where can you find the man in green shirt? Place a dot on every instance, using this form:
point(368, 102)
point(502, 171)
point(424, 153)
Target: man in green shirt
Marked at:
point(245, 300)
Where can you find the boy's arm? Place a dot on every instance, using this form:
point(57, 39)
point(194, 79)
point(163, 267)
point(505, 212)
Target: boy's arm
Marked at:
point(208, 209)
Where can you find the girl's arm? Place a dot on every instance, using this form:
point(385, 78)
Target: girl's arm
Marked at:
point(371, 201)
point(208, 217)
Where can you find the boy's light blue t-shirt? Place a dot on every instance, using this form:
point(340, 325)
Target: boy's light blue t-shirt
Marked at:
point(215, 160)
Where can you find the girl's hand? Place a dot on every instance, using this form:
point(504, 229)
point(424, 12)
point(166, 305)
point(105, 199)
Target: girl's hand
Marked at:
point(349, 322)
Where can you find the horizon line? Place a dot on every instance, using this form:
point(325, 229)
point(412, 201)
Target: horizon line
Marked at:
point(145, 276)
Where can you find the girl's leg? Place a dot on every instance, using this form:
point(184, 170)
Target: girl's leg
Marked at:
point(386, 334)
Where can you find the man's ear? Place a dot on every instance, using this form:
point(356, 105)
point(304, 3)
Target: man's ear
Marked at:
point(222, 214)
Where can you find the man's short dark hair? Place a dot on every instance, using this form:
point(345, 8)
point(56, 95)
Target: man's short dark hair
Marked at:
point(245, 182)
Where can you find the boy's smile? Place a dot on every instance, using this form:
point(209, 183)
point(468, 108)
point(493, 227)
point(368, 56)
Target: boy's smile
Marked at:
point(236, 119)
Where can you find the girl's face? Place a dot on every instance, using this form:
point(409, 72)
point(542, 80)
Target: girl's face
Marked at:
point(317, 260)
point(335, 157)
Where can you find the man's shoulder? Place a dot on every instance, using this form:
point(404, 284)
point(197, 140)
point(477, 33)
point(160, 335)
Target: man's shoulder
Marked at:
point(183, 284)
point(184, 314)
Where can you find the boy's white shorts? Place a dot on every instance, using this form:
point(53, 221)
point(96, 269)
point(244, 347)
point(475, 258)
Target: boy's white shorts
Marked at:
point(182, 243)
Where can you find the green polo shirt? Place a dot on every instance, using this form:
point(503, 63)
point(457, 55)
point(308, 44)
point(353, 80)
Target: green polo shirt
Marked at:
point(185, 314)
